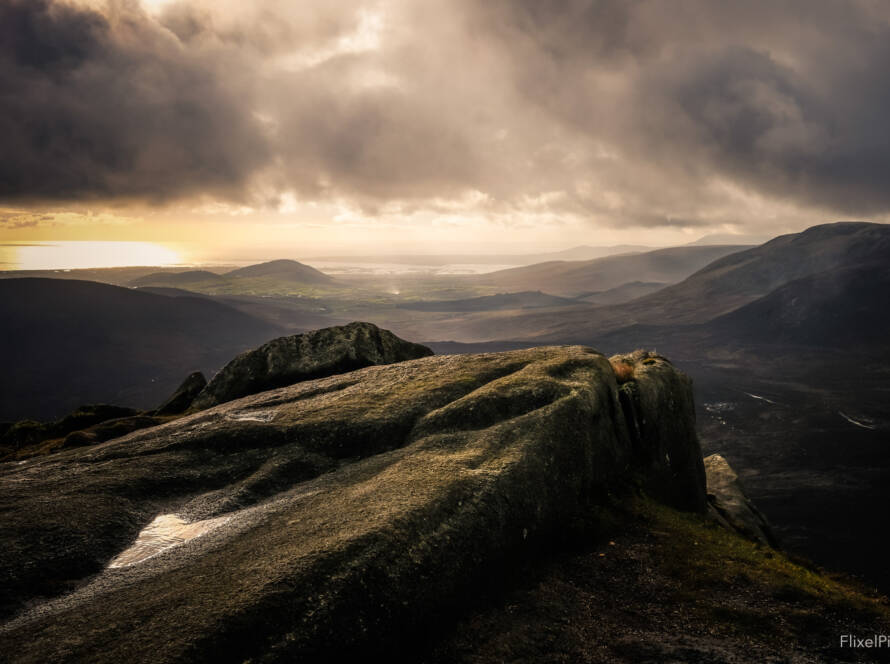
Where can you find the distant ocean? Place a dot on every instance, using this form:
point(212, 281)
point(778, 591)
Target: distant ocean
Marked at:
point(85, 254)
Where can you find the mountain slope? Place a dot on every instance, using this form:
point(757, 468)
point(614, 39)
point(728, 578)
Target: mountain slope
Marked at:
point(70, 342)
point(742, 277)
point(732, 281)
point(836, 309)
point(572, 278)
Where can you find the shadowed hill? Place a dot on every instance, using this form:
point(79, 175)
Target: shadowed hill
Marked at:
point(837, 308)
point(70, 342)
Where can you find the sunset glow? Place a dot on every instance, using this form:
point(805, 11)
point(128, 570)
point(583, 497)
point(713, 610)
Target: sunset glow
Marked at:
point(76, 255)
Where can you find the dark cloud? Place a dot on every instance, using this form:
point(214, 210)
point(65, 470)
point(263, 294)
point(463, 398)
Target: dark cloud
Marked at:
point(786, 99)
point(111, 106)
point(622, 111)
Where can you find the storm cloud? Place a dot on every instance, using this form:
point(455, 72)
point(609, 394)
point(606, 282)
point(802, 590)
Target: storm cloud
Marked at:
point(623, 112)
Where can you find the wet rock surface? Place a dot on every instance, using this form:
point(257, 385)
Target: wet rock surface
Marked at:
point(315, 354)
point(346, 511)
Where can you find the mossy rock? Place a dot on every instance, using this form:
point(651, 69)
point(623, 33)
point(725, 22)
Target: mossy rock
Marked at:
point(326, 518)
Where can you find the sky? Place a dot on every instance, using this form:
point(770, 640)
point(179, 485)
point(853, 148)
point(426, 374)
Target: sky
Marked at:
point(278, 128)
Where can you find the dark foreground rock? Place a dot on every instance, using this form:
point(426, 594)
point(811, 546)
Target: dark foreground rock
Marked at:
point(320, 519)
point(730, 506)
point(315, 354)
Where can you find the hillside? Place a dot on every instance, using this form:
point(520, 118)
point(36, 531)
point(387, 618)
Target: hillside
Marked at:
point(573, 278)
point(71, 342)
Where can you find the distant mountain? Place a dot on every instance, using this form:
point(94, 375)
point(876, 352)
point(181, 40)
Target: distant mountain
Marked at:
point(720, 287)
point(68, 342)
point(283, 270)
point(742, 277)
point(178, 279)
point(500, 302)
point(573, 278)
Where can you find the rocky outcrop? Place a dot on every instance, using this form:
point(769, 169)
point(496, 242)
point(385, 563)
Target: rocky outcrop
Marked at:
point(185, 394)
point(730, 507)
point(327, 517)
point(315, 354)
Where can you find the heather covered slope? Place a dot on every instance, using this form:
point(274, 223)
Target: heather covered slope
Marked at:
point(372, 500)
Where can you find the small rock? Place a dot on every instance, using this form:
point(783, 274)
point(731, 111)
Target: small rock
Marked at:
point(184, 395)
point(730, 507)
